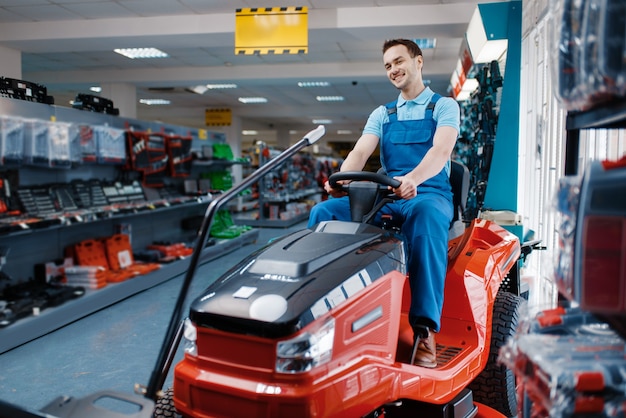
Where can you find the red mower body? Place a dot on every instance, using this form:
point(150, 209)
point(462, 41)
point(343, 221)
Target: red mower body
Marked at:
point(348, 280)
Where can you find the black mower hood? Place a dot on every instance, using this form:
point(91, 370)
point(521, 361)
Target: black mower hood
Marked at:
point(287, 284)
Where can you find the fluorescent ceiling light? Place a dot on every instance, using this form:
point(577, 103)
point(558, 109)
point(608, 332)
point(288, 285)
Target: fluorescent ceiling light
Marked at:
point(344, 132)
point(313, 84)
point(151, 102)
point(469, 87)
point(463, 96)
point(322, 121)
point(330, 98)
point(483, 50)
point(426, 43)
point(203, 88)
point(471, 84)
point(221, 86)
point(249, 132)
point(133, 53)
point(252, 100)
point(95, 89)
point(199, 89)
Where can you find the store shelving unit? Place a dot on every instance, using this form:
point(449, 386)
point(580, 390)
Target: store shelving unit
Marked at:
point(567, 345)
point(607, 116)
point(48, 320)
point(275, 193)
point(148, 221)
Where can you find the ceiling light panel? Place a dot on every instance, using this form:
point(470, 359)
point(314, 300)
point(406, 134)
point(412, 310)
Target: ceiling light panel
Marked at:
point(221, 86)
point(249, 100)
point(330, 98)
point(152, 102)
point(313, 84)
point(426, 43)
point(141, 53)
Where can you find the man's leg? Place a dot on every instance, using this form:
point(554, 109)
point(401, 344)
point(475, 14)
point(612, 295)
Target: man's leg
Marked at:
point(331, 209)
point(427, 219)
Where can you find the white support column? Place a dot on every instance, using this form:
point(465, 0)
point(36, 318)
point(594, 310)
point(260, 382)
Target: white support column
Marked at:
point(11, 63)
point(124, 97)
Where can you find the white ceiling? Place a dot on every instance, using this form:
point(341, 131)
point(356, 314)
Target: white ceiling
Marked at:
point(67, 45)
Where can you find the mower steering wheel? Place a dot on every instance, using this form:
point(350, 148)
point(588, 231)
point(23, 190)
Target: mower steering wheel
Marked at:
point(361, 176)
point(368, 194)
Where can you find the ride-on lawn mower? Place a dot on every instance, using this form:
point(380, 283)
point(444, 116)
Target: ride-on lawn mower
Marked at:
point(314, 324)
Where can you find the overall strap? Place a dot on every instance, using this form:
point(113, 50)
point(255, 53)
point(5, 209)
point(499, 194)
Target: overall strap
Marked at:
point(431, 106)
point(392, 110)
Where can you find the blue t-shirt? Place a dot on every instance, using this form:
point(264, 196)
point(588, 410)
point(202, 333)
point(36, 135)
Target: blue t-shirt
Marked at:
point(446, 112)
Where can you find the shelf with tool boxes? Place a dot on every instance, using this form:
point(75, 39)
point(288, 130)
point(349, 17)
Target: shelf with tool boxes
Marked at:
point(285, 196)
point(570, 361)
point(93, 209)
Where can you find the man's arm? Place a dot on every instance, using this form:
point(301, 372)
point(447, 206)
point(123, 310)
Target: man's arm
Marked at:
point(362, 151)
point(356, 159)
point(432, 163)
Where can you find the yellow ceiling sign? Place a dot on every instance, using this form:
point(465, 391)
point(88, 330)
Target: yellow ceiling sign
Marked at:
point(272, 30)
point(218, 117)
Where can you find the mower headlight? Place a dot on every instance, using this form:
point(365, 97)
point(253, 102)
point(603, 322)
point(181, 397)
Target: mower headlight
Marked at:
point(190, 334)
point(306, 351)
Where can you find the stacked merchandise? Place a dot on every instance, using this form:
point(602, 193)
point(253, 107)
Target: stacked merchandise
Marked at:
point(28, 298)
point(11, 141)
point(24, 90)
point(95, 104)
point(224, 227)
point(102, 144)
point(179, 154)
point(569, 364)
point(51, 144)
point(170, 251)
point(590, 43)
point(100, 262)
point(148, 156)
point(572, 360)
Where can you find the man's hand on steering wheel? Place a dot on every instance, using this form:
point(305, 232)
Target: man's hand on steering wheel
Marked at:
point(335, 192)
point(338, 183)
point(407, 188)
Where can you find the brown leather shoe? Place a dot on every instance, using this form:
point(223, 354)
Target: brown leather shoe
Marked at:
point(424, 350)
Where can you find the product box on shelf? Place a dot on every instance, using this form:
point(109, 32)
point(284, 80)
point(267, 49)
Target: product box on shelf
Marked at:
point(590, 267)
point(11, 140)
point(569, 364)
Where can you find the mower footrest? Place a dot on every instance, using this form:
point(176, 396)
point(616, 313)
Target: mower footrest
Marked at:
point(105, 404)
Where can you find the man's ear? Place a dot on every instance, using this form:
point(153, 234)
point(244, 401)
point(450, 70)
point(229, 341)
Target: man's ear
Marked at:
point(420, 61)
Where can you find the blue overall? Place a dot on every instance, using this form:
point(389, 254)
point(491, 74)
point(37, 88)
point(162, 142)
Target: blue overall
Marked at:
point(425, 218)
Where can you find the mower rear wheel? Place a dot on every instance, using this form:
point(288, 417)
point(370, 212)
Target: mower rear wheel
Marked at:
point(495, 386)
point(164, 407)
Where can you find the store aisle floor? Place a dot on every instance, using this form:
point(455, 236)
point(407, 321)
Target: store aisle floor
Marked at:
point(111, 349)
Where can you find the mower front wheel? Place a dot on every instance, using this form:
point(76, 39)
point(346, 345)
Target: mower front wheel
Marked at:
point(495, 386)
point(164, 407)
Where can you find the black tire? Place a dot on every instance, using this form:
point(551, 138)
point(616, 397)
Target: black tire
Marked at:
point(495, 385)
point(164, 407)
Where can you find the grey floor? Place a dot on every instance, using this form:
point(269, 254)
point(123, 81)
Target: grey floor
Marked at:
point(114, 348)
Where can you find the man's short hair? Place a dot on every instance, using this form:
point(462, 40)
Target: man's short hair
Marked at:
point(411, 46)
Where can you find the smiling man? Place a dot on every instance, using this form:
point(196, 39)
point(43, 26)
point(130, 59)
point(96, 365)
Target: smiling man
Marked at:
point(416, 134)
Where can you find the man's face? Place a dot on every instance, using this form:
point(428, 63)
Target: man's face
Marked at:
point(402, 69)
